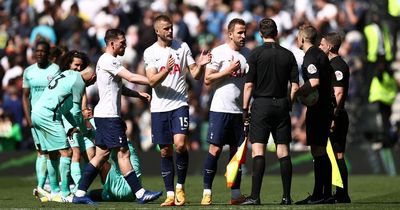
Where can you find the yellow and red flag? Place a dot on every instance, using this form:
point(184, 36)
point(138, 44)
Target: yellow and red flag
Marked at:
point(233, 166)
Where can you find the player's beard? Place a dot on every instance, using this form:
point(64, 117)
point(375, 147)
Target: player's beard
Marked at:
point(167, 38)
point(121, 52)
point(240, 43)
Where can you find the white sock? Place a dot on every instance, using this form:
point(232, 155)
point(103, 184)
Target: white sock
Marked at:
point(170, 193)
point(179, 186)
point(139, 193)
point(80, 193)
point(235, 193)
point(207, 192)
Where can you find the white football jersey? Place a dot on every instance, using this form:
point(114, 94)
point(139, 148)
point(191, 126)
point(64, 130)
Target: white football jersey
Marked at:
point(172, 92)
point(109, 85)
point(228, 96)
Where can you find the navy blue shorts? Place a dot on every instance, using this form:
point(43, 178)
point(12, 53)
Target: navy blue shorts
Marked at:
point(110, 132)
point(225, 128)
point(164, 125)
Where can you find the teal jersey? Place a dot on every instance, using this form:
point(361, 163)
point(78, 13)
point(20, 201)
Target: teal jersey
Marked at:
point(116, 188)
point(37, 79)
point(63, 96)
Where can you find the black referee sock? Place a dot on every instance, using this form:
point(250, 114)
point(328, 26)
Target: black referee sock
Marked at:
point(210, 168)
point(168, 172)
point(182, 160)
point(344, 174)
point(286, 175)
point(318, 176)
point(257, 178)
point(88, 177)
point(327, 176)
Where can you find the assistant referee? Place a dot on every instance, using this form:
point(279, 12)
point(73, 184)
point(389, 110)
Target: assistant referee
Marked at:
point(317, 74)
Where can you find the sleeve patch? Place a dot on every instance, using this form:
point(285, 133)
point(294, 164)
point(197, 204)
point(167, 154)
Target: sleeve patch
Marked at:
point(312, 69)
point(339, 75)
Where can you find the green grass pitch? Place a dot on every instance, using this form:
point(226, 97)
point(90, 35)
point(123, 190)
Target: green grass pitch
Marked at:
point(367, 192)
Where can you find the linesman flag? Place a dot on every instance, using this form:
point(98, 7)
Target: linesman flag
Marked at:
point(233, 166)
point(336, 178)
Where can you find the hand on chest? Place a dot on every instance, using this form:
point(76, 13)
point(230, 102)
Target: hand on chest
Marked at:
point(162, 61)
point(237, 62)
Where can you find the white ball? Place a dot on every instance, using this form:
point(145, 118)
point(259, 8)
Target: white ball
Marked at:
point(310, 99)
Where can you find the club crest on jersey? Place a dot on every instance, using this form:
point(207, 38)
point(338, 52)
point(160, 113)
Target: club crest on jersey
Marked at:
point(115, 63)
point(312, 69)
point(339, 75)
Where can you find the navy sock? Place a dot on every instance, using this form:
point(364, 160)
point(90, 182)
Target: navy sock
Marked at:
point(88, 177)
point(168, 172)
point(182, 160)
point(258, 174)
point(210, 168)
point(286, 175)
point(133, 181)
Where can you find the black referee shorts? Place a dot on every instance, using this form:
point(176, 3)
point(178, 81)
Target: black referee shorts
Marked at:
point(270, 115)
point(318, 123)
point(338, 136)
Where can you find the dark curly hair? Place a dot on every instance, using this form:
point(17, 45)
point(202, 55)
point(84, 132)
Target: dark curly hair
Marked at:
point(67, 59)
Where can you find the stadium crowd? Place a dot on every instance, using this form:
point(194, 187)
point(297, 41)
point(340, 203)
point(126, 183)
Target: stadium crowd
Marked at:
point(81, 25)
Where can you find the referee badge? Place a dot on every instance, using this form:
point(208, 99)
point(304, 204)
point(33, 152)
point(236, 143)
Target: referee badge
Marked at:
point(312, 69)
point(339, 75)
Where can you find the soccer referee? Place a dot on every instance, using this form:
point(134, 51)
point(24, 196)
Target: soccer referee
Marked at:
point(330, 44)
point(271, 68)
point(317, 74)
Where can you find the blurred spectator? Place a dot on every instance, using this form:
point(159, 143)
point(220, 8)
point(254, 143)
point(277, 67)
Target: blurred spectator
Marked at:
point(43, 31)
point(238, 11)
point(281, 17)
point(10, 133)
point(180, 29)
point(393, 19)
point(24, 26)
point(205, 39)
point(12, 102)
point(162, 6)
point(131, 57)
point(147, 36)
point(383, 91)
point(214, 18)
point(201, 4)
point(72, 23)
point(325, 19)
point(303, 12)
point(351, 16)
point(16, 64)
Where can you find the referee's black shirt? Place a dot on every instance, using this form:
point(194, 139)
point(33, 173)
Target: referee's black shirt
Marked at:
point(270, 68)
point(316, 66)
point(341, 77)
